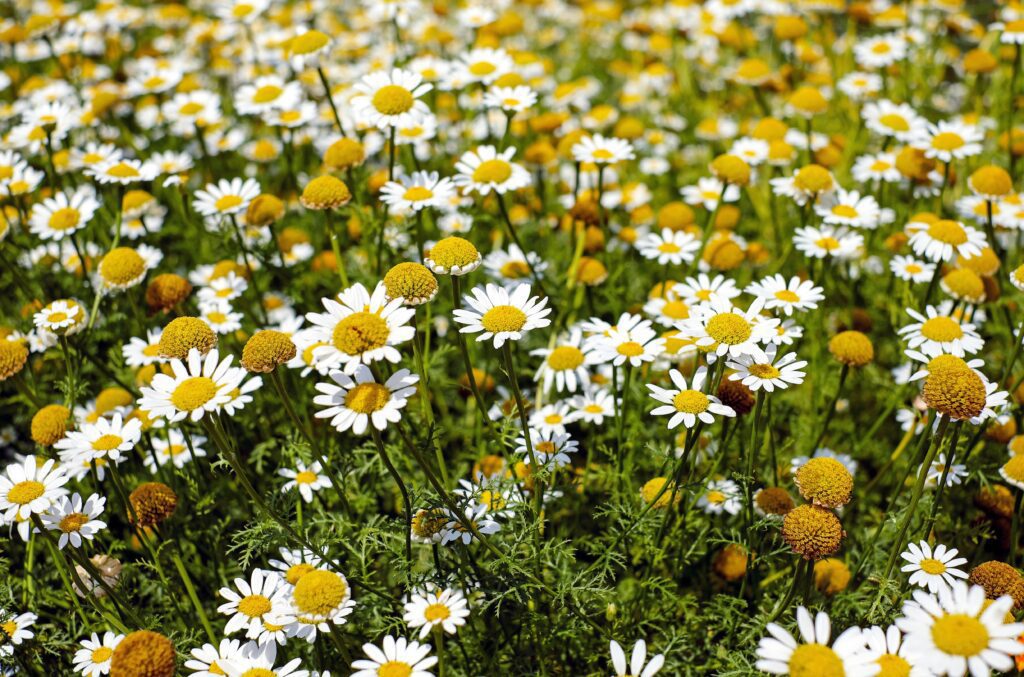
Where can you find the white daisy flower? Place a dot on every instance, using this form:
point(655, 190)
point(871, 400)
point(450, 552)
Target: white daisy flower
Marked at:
point(420, 190)
point(30, 488)
point(264, 595)
point(391, 99)
point(722, 496)
point(936, 333)
point(59, 216)
point(410, 659)
point(226, 197)
point(669, 247)
point(565, 364)
point(797, 294)
point(953, 631)
point(688, 403)
point(501, 314)
point(768, 374)
point(723, 329)
point(304, 479)
point(197, 386)
point(75, 519)
point(93, 659)
point(354, 402)
point(360, 329)
point(944, 240)
point(485, 169)
point(428, 609)
point(782, 654)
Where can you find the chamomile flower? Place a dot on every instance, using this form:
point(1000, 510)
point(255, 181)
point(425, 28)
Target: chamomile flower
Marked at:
point(304, 479)
point(600, 150)
point(200, 385)
point(211, 661)
point(75, 519)
point(952, 631)
point(360, 328)
point(420, 190)
point(687, 403)
point(60, 216)
point(565, 364)
point(399, 656)
point(723, 329)
point(708, 192)
point(319, 599)
point(226, 197)
point(721, 496)
point(105, 438)
point(512, 266)
point(894, 120)
point(485, 169)
point(123, 172)
point(552, 448)
point(250, 601)
point(266, 94)
point(446, 608)
point(669, 247)
point(63, 317)
point(828, 242)
point(502, 314)
point(770, 373)
point(357, 401)
point(176, 450)
point(93, 659)
point(948, 141)
point(29, 488)
point(797, 294)
point(510, 99)
point(634, 345)
point(255, 658)
point(391, 99)
point(944, 240)
point(936, 333)
point(782, 654)
point(15, 629)
point(849, 208)
point(593, 406)
point(910, 269)
point(456, 531)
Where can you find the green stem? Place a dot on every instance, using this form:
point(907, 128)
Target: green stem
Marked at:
point(401, 487)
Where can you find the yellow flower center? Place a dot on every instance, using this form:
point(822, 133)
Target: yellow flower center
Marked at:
point(297, 571)
point(308, 42)
point(259, 672)
point(828, 243)
point(492, 171)
point(602, 154)
point(503, 318)
point(845, 211)
point(729, 328)
point(418, 194)
point(360, 332)
point(481, 68)
point(266, 94)
point(191, 108)
point(787, 296)
point(367, 398)
point(193, 393)
point(715, 496)
point(107, 442)
point(254, 606)
point(941, 329)
point(948, 231)
point(676, 310)
point(319, 592)
point(815, 660)
point(122, 171)
point(895, 122)
point(305, 477)
point(947, 141)
point(515, 270)
point(564, 358)
point(73, 522)
point(630, 349)
point(102, 654)
point(436, 612)
point(64, 218)
point(669, 248)
point(764, 371)
point(393, 100)
point(25, 492)
point(960, 635)
point(394, 669)
point(893, 666)
point(227, 202)
point(691, 402)
point(454, 251)
point(932, 566)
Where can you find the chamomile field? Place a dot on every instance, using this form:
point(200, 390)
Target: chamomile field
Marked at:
point(442, 338)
